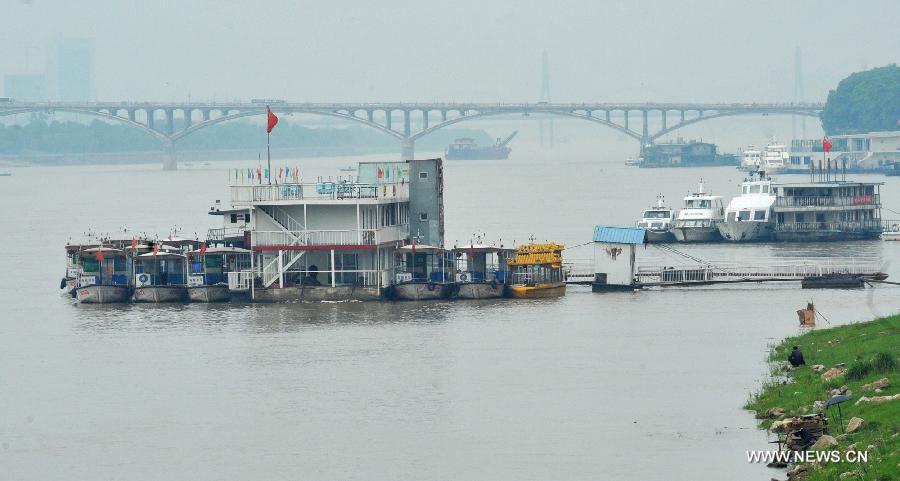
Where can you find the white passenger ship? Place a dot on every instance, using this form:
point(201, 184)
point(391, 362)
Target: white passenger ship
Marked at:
point(699, 220)
point(749, 216)
point(751, 159)
point(775, 158)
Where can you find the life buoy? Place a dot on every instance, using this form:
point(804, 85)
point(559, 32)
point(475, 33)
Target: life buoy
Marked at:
point(431, 286)
point(464, 277)
point(895, 228)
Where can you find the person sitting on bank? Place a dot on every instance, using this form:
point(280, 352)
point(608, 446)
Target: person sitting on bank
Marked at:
point(796, 357)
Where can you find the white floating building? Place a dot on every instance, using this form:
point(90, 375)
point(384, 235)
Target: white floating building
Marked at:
point(338, 239)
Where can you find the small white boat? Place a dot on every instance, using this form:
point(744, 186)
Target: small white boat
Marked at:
point(751, 159)
point(632, 161)
point(699, 220)
point(749, 216)
point(424, 274)
point(160, 277)
point(658, 221)
point(481, 270)
point(103, 279)
point(208, 281)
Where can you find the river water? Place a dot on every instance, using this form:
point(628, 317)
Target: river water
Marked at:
point(644, 386)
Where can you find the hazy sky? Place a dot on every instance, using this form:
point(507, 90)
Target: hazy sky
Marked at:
point(385, 50)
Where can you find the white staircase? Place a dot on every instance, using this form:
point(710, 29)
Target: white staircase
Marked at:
point(273, 270)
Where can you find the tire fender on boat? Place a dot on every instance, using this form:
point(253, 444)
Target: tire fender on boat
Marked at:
point(431, 286)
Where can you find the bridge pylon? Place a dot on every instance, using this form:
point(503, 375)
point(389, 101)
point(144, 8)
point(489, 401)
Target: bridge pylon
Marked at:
point(407, 149)
point(170, 161)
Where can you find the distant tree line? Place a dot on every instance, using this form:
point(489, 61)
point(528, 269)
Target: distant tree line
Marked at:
point(866, 101)
point(43, 136)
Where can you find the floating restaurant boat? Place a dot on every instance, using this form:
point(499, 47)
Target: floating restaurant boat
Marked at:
point(160, 277)
point(423, 274)
point(699, 220)
point(658, 221)
point(208, 281)
point(536, 271)
point(481, 271)
point(749, 216)
point(827, 210)
point(104, 278)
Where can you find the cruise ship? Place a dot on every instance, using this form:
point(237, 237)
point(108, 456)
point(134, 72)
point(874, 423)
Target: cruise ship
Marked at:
point(699, 220)
point(775, 157)
point(827, 210)
point(749, 216)
point(751, 159)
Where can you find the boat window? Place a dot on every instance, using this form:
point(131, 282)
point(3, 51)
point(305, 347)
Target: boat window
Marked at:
point(704, 204)
point(247, 218)
point(642, 225)
point(745, 189)
point(765, 189)
point(656, 214)
point(423, 175)
point(731, 217)
point(744, 215)
point(423, 216)
point(234, 218)
point(754, 189)
point(759, 215)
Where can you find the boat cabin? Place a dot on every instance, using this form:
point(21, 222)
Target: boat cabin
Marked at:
point(160, 268)
point(827, 210)
point(481, 263)
point(211, 266)
point(423, 263)
point(104, 266)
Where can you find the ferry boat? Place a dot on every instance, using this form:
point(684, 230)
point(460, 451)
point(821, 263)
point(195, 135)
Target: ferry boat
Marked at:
point(423, 274)
point(751, 159)
point(104, 278)
point(699, 220)
point(537, 271)
point(775, 157)
point(208, 281)
point(481, 271)
point(467, 149)
point(749, 216)
point(828, 210)
point(74, 266)
point(160, 277)
point(658, 222)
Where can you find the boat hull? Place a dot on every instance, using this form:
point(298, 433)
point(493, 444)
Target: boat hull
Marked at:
point(216, 293)
point(746, 231)
point(696, 234)
point(160, 294)
point(479, 290)
point(537, 291)
point(102, 294)
point(421, 291)
point(659, 236)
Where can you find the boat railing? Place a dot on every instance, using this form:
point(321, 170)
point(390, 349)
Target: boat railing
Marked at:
point(828, 201)
point(735, 272)
point(325, 190)
point(219, 235)
point(866, 225)
point(240, 280)
point(314, 237)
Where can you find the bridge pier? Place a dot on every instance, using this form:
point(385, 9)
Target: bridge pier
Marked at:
point(187, 117)
point(150, 120)
point(406, 127)
point(170, 121)
point(424, 119)
point(407, 149)
point(170, 162)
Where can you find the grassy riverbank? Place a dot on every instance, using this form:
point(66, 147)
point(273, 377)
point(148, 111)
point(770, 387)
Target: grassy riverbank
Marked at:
point(862, 353)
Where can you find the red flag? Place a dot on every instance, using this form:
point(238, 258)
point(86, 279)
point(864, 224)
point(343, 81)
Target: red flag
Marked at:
point(826, 144)
point(203, 248)
point(155, 249)
point(133, 244)
point(273, 120)
point(414, 248)
point(471, 251)
point(99, 254)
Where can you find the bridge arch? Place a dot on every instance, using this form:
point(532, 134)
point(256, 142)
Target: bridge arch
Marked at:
point(159, 135)
point(731, 113)
point(462, 118)
point(250, 113)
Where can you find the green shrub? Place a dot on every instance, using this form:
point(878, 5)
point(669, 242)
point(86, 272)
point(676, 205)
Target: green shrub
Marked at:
point(858, 370)
point(883, 362)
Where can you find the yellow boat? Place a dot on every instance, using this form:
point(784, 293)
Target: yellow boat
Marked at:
point(537, 272)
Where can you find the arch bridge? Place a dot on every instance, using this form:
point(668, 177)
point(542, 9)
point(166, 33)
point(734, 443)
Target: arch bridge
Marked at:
point(407, 122)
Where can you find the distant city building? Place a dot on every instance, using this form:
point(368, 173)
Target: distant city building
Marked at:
point(75, 69)
point(25, 87)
